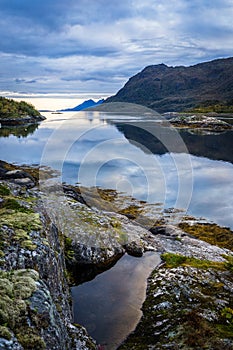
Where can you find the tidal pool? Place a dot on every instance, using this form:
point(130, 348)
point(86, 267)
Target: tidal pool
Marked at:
point(109, 306)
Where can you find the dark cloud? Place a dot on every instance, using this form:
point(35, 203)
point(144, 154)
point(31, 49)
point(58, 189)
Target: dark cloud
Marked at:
point(56, 44)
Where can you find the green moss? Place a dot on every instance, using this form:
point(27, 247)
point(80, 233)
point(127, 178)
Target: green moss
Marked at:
point(30, 339)
point(11, 203)
point(68, 250)
point(174, 260)
point(227, 313)
point(229, 262)
point(16, 287)
point(27, 244)
point(211, 233)
point(225, 330)
point(4, 191)
point(22, 223)
point(5, 333)
point(6, 287)
point(18, 220)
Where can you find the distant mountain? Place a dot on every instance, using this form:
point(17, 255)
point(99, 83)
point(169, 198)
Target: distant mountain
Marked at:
point(84, 105)
point(164, 88)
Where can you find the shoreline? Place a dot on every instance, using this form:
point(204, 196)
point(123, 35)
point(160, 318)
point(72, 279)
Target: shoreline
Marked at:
point(192, 256)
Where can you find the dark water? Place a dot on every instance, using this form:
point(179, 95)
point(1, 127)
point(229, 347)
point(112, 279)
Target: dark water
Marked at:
point(132, 154)
point(109, 306)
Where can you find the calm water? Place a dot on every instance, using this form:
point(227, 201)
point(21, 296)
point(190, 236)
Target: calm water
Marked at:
point(132, 154)
point(109, 306)
point(136, 156)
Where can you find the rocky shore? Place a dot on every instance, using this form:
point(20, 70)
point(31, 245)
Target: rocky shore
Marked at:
point(200, 122)
point(52, 240)
point(25, 120)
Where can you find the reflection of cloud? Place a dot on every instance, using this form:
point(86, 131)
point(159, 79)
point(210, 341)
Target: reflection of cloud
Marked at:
point(99, 45)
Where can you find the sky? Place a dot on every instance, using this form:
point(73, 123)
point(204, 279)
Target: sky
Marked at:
point(82, 46)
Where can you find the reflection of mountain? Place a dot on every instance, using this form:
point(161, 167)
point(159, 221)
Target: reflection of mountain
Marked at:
point(19, 131)
point(160, 140)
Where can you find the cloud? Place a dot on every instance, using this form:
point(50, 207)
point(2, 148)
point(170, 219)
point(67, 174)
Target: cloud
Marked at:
point(99, 44)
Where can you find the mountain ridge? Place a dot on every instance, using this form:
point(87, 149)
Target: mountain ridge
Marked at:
point(86, 104)
point(180, 88)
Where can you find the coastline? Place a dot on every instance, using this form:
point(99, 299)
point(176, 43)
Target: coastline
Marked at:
point(41, 253)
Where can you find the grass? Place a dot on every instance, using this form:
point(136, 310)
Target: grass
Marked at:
point(132, 211)
point(210, 233)
point(175, 260)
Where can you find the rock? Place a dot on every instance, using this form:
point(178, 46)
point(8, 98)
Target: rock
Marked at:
point(187, 306)
point(166, 230)
point(35, 297)
point(135, 249)
point(22, 120)
point(182, 308)
point(200, 121)
point(17, 176)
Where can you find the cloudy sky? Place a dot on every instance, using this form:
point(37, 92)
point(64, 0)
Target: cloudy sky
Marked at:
point(78, 46)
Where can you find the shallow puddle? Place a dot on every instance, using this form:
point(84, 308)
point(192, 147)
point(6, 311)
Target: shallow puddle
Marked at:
point(109, 306)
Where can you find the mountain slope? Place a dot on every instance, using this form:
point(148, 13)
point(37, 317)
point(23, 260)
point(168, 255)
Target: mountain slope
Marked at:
point(179, 88)
point(84, 105)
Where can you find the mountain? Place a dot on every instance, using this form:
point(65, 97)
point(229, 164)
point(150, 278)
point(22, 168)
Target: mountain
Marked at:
point(84, 105)
point(180, 88)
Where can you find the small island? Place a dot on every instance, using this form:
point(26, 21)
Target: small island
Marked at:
point(16, 113)
point(200, 122)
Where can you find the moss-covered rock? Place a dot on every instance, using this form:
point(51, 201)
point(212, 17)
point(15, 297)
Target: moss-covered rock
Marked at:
point(32, 277)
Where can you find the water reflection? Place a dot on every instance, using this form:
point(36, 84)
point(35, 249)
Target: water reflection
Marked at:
point(135, 155)
point(109, 306)
point(216, 146)
point(19, 131)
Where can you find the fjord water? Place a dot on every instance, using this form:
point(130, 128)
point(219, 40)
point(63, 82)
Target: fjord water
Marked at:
point(133, 154)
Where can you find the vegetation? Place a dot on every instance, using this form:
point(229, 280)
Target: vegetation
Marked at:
point(16, 286)
point(18, 216)
point(209, 107)
point(210, 233)
point(13, 109)
point(175, 260)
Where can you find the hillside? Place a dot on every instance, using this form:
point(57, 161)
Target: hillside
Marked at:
point(180, 88)
point(13, 112)
point(84, 105)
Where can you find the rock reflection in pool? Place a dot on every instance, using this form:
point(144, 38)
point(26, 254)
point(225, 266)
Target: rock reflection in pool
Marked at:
point(109, 306)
